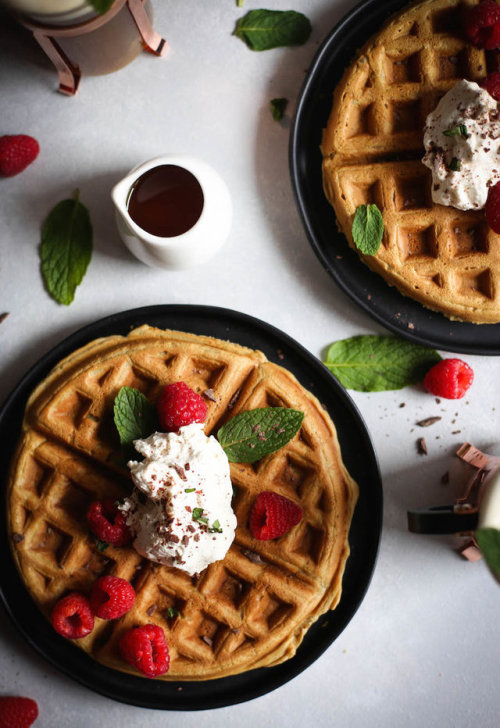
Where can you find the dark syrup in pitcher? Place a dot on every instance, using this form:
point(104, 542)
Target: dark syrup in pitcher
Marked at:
point(166, 201)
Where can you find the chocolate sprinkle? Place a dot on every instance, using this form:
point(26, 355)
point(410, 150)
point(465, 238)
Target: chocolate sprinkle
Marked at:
point(252, 556)
point(428, 421)
point(234, 399)
point(180, 472)
point(421, 446)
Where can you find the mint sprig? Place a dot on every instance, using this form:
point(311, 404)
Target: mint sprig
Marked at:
point(252, 434)
point(371, 363)
point(265, 29)
point(215, 527)
point(247, 437)
point(66, 248)
point(102, 6)
point(135, 417)
point(488, 540)
point(278, 107)
point(367, 229)
point(198, 516)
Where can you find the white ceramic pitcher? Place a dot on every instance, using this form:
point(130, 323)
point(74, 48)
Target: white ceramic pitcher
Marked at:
point(193, 247)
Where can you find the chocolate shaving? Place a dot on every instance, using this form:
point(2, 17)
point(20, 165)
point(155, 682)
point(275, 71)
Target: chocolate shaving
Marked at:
point(207, 640)
point(428, 421)
point(210, 394)
point(180, 472)
point(17, 537)
point(421, 446)
point(151, 610)
point(234, 399)
point(185, 540)
point(3, 316)
point(252, 556)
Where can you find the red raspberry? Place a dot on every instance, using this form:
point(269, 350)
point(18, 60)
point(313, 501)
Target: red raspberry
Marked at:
point(16, 152)
point(17, 712)
point(145, 649)
point(111, 597)
point(492, 85)
point(107, 523)
point(483, 25)
point(179, 406)
point(492, 208)
point(273, 515)
point(449, 378)
point(72, 616)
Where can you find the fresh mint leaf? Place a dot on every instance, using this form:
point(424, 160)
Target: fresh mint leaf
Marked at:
point(488, 540)
point(249, 436)
point(66, 248)
point(135, 416)
point(373, 363)
point(278, 107)
point(265, 29)
point(171, 612)
point(367, 229)
point(460, 130)
point(102, 6)
point(455, 165)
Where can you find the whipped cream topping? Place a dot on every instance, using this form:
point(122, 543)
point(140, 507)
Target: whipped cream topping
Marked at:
point(180, 511)
point(489, 511)
point(462, 140)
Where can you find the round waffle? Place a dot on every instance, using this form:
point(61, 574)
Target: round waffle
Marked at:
point(447, 259)
point(249, 610)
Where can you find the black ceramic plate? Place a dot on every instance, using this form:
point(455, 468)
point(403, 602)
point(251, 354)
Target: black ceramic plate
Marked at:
point(364, 538)
point(399, 314)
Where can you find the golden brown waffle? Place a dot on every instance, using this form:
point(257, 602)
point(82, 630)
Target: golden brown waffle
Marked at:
point(447, 259)
point(250, 610)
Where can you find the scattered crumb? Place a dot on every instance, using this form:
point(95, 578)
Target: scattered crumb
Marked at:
point(421, 446)
point(427, 421)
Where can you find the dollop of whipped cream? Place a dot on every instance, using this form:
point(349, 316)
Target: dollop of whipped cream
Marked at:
point(462, 140)
point(489, 510)
point(180, 511)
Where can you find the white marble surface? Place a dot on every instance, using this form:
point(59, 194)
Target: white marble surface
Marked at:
point(423, 648)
